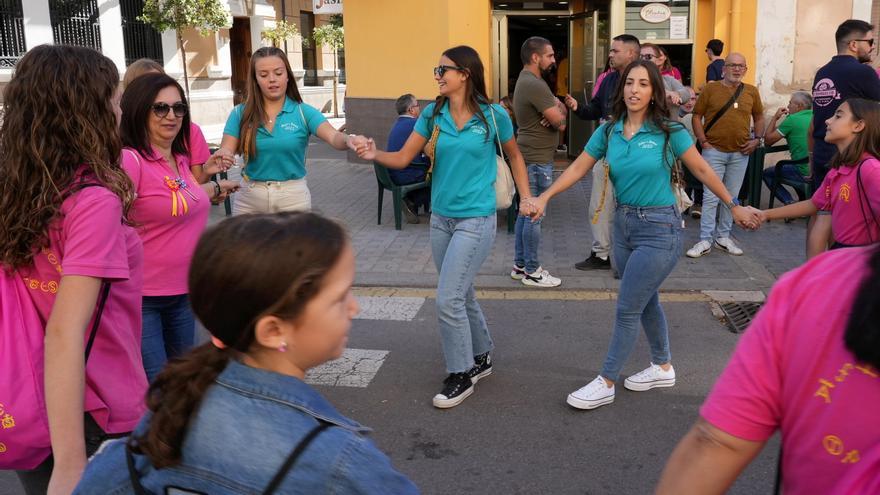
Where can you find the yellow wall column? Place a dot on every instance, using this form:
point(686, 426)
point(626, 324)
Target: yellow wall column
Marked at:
point(734, 23)
point(392, 45)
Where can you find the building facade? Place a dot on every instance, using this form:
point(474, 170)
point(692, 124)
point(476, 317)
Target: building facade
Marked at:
point(784, 41)
point(217, 64)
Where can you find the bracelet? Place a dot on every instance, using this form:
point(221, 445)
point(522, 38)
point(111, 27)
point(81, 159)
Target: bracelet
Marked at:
point(216, 188)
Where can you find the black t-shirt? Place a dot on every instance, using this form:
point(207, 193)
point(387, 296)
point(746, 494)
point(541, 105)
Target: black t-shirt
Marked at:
point(841, 78)
point(714, 71)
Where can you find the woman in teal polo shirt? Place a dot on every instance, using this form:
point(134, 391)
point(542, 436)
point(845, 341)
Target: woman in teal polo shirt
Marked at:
point(640, 144)
point(463, 207)
point(271, 131)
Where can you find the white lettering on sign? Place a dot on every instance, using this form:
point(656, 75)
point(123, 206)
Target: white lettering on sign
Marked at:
point(327, 6)
point(655, 13)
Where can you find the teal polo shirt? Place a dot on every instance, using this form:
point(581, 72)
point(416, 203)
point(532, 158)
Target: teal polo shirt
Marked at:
point(463, 180)
point(281, 154)
point(640, 175)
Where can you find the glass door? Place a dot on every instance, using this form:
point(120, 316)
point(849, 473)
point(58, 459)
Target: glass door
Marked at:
point(589, 55)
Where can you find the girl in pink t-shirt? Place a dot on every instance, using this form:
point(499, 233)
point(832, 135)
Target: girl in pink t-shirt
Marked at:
point(63, 236)
point(170, 211)
point(848, 202)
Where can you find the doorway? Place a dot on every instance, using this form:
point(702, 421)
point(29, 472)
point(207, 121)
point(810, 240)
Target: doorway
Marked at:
point(240, 52)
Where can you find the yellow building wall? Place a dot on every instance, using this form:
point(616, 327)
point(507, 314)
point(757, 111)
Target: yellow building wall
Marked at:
point(734, 23)
point(392, 45)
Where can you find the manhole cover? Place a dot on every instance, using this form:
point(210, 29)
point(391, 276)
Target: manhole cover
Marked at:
point(739, 314)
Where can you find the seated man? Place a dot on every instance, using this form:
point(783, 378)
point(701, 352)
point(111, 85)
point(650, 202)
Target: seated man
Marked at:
point(794, 129)
point(408, 111)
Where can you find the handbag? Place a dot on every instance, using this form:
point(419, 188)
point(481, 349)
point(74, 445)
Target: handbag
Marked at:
point(682, 200)
point(505, 187)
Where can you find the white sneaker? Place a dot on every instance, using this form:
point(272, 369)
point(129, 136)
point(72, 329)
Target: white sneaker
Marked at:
point(592, 395)
point(727, 244)
point(651, 377)
point(541, 278)
point(699, 249)
point(517, 273)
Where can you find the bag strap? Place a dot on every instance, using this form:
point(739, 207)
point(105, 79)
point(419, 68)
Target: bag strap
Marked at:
point(105, 293)
point(724, 109)
point(135, 477)
point(292, 458)
point(497, 135)
point(301, 114)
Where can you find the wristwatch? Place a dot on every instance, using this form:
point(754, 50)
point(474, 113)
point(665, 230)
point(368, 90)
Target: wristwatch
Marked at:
point(730, 204)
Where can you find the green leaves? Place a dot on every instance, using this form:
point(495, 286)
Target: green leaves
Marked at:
point(204, 15)
point(282, 31)
point(330, 35)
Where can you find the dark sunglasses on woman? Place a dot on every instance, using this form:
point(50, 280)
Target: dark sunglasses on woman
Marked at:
point(162, 109)
point(440, 70)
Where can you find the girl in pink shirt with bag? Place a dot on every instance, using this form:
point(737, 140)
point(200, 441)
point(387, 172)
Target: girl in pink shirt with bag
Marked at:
point(848, 202)
point(71, 263)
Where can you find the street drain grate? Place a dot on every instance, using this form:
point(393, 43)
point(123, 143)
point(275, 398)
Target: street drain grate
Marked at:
point(739, 314)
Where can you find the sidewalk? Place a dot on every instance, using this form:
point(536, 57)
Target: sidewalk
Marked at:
point(387, 257)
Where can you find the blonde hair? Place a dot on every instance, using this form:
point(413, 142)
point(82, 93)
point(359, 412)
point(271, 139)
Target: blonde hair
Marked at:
point(140, 67)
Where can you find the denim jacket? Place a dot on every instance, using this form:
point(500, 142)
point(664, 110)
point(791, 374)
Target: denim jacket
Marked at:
point(249, 421)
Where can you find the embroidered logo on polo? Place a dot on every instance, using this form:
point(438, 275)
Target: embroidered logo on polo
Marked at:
point(478, 129)
point(648, 144)
point(289, 126)
point(845, 193)
point(824, 92)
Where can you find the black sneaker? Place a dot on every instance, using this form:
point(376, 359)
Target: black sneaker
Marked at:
point(409, 211)
point(482, 367)
point(456, 388)
point(594, 263)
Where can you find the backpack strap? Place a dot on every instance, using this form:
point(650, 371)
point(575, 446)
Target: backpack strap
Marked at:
point(294, 455)
point(105, 293)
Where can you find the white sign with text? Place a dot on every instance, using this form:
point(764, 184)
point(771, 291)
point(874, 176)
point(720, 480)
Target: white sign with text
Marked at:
point(327, 6)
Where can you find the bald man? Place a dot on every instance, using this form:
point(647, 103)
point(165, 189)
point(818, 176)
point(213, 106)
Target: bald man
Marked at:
point(722, 122)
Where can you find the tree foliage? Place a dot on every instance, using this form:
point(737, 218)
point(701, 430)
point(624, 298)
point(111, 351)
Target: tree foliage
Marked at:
point(282, 31)
point(330, 35)
point(204, 15)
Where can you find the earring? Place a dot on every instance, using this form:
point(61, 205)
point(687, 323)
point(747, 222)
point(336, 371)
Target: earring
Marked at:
point(282, 347)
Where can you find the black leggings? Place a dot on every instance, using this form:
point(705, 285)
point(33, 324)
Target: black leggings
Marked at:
point(36, 481)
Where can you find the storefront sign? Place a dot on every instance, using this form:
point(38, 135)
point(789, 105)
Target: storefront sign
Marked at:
point(655, 13)
point(678, 27)
point(327, 6)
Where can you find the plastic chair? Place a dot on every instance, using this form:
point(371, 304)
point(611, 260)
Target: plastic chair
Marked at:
point(802, 188)
point(383, 179)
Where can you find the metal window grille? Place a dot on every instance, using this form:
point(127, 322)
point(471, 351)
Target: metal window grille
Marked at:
point(11, 32)
point(140, 39)
point(75, 22)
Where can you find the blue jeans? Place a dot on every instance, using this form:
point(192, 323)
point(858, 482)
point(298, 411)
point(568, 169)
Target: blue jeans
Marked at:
point(647, 244)
point(527, 234)
point(459, 247)
point(169, 330)
point(731, 169)
point(789, 172)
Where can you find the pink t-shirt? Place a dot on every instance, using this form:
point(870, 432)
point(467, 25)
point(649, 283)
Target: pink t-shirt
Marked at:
point(168, 217)
point(674, 72)
point(851, 204)
point(92, 241)
point(792, 371)
point(198, 146)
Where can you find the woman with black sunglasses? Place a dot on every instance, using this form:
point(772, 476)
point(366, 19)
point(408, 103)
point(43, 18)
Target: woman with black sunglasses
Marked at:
point(170, 210)
point(459, 133)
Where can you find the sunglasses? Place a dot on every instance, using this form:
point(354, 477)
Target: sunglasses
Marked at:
point(648, 56)
point(441, 69)
point(162, 109)
point(869, 41)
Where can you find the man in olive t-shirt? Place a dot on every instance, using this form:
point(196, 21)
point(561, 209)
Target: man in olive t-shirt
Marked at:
point(539, 117)
point(726, 146)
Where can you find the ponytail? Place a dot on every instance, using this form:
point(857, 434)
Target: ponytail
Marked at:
point(174, 397)
point(862, 335)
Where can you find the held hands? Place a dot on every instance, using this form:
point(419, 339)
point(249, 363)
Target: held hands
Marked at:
point(748, 217)
point(227, 187)
point(533, 207)
point(220, 161)
point(355, 141)
point(366, 149)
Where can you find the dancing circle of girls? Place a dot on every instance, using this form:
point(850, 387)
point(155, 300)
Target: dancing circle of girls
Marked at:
point(272, 284)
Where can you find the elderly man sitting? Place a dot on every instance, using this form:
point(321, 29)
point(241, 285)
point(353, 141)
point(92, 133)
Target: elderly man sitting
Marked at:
point(794, 129)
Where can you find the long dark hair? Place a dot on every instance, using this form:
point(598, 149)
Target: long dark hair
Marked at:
point(862, 336)
point(58, 116)
point(867, 141)
point(273, 265)
point(254, 111)
point(657, 112)
point(475, 84)
point(137, 109)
